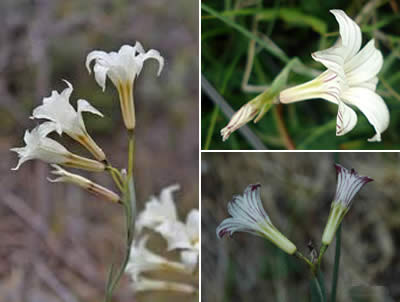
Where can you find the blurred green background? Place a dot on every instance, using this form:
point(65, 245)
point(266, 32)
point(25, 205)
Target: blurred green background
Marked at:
point(296, 191)
point(57, 242)
point(292, 28)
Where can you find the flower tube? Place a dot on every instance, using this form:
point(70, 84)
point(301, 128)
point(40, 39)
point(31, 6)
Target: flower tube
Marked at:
point(248, 215)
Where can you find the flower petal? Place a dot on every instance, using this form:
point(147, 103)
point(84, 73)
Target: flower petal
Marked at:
point(373, 107)
point(365, 65)
point(154, 54)
point(346, 119)
point(332, 58)
point(350, 33)
point(84, 106)
point(370, 84)
point(100, 74)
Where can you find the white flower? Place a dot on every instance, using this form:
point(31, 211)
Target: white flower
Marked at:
point(39, 146)
point(143, 260)
point(160, 215)
point(158, 210)
point(350, 79)
point(248, 215)
point(57, 109)
point(348, 184)
point(144, 284)
point(90, 186)
point(122, 69)
point(183, 236)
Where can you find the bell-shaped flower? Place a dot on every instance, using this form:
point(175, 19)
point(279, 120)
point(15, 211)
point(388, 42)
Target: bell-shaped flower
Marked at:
point(58, 109)
point(39, 146)
point(143, 260)
point(88, 185)
point(248, 215)
point(350, 79)
point(158, 210)
point(121, 68)
point(348, 184)
point(145, 284)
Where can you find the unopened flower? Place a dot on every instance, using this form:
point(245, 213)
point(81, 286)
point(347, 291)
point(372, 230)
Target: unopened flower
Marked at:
point(255, 108)
point(350, 79)
point(248, 215)
point(39, 146)
point(143, 260)
point(122, 67)
point(88, 185)
point(144, 284)
point(158, 210)
point(348, 184)
point(58, 109)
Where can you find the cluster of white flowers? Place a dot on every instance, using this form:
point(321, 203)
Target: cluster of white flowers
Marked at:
point(61, 117)
point(160, 216)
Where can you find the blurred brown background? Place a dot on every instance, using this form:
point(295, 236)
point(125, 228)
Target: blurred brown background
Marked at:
point(297, 190)
point(57, 242)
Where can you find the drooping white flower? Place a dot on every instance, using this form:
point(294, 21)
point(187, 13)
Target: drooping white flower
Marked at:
point(88, 185)
point(39, 146)
point(248, 215)
point(348, 184)
point(145, 284)
point(143, 260)
point(350, 79)
point(121, 68)
point(158, 210)
point(58, 109)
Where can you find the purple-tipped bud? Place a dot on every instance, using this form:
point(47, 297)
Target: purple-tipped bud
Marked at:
point(348, 184)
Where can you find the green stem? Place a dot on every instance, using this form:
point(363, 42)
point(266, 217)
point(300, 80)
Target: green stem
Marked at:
point(337, 263)
point(319, 289)
point(300, 256)
point(131, 155)
point(321, 254)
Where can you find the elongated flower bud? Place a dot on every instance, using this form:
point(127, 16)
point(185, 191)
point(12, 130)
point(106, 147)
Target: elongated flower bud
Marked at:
point(248, 215)
point(348, 184)
point(88, 185)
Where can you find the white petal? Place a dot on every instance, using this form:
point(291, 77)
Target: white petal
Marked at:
point(100, 74)
point(192, 225)
point(84, 106)
point(373, 107)
point(190, 259)
point(175, 234)
point(332, 58)
point(158, 210)
point(346, 119)
point(94, 55)
point(154, 54)
point(364, 66)
point(350, 33)
point(370, 84)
